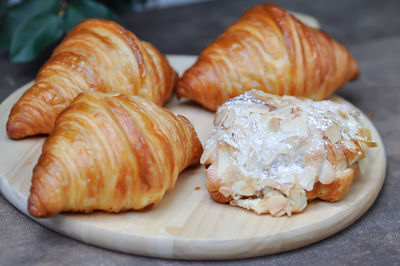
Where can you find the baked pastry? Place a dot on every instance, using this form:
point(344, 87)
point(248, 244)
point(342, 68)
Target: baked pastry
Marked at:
point(269, 50)
point(270, 154)
point(97, 55)
point(111, 152)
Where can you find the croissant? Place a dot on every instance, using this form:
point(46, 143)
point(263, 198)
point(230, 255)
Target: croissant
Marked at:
point(113, 153)
point(97, 55)
point(272, 154)
point(269, 50)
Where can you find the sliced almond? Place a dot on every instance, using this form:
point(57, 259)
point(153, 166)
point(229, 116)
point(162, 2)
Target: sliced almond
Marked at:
point(353, 158)
point(295, 112)
point(276, 204)
point(229, 120)
point(261, 206)
point(244, 188)
point(208, 152)
point(270, 183)
point(223, 162)
point(362, 146)
point(232, 175)
point(293, 140)
point(355, 113)
point(341, 165)
point(298, 200)
point(222, 115)
point(342, 114)
point(284, 148)
point(301, 126)
point(261, 109)
point(258, 94)
point(349, 144)
point(333, 134)
point(296, 125)
point(281, 212)
point(285, 111)
point(268, 158)
point(366, 133)
point(327, 173)
point(274, 124)
point(226, 191)
point(256, 205)
point(370, 144)
point(288, 210)
point(307, 178)
point(262, 95)
point(363, 164)
point(273, 193)
point(252, 160)
point(265, 117)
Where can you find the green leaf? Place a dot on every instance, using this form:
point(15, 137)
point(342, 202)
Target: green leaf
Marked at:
point(20, 13)
point(34, 35)
point(82, 9)
point(122, 5)
point(3, 7)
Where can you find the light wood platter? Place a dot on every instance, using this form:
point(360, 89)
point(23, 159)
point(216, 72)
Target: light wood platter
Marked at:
point(188, 224)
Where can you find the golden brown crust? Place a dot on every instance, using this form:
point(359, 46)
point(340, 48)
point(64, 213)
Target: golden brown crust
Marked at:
point(333, 192)
point(97, 55)
point(218, 197)
point(213, 185)
point(270, 50)
point(111, 153)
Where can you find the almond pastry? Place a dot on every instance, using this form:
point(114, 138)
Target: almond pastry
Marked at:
point(272, 154)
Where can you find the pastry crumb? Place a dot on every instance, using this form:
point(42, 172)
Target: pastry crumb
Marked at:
point(371, 116)
point(174, 230)
point(27, 164)
point(197, 188)
point(387, 134)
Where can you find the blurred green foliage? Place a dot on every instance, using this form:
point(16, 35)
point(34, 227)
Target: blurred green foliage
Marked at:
point(27, 27)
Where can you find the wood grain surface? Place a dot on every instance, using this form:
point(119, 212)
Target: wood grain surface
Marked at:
point(188, 224)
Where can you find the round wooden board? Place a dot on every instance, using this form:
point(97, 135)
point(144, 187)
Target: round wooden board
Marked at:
point(188, 224)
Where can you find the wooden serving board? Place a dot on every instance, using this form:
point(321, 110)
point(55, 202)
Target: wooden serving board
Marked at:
point(188, 224)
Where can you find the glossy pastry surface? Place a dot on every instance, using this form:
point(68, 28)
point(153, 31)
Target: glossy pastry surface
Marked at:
point(97, 55)
point(111, 152)
point(270, 50)
point(270, 154)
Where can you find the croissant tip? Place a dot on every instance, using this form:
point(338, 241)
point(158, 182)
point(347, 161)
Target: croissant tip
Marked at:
point(14, 131)
point(177, 94)
point(18, 127)
point(34, 206)
point(179, 90)
point(357, 74)
point(184, 90)
point(38, 197)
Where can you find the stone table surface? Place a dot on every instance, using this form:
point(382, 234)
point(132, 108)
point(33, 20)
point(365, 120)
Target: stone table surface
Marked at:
point(371, 31)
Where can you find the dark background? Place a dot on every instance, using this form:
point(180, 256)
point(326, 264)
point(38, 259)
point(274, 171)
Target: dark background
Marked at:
point(369, 29)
